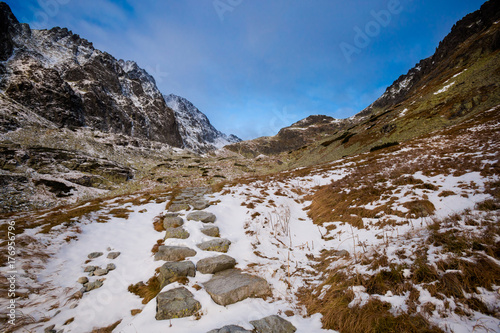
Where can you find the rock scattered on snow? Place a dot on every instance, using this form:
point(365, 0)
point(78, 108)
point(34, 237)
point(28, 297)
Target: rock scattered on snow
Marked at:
point(171, 271)
point(100, 272)
point(230, 329)
point(176, 303)
point(90, 269)
point(211, 230)
point(231, 286)
point(217, 245)
point(205, 217)
point(215, 264)
point(178, 232)
point(178, 207)
point(93, 285)
point(173, 253)
point(200, 204)
point(94, 255)
point(111, 267)
point(273, 324)
point(113, 255)
point(172, 222)
point(83, 280)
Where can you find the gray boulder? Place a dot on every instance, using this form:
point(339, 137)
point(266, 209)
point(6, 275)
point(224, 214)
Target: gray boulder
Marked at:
point(93, 285)
point(215, 264)
point(178, 207)
point(200, 204)
point(83, 280)
point(111, 267)
point(100, 272)
point(171, 271)
point(113, 255)
point(211, 230)
point(94, 255)
point(178, 232)
point(176, 303)
point(273, 324)
point(217, 245)
point(172, 222)
point(88, 269)
point(205, 217)
point(173, 253)
point(231, 286)
point(230, 329)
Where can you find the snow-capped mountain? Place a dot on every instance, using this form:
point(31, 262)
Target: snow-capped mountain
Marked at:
point(196, 130)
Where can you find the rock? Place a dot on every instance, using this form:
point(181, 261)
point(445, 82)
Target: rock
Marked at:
point(231, 286)
point(205, 217)
point(215, 264)
point(170, 271)
point(94, 255)
point(113, 255)
point(100, 272)
point(217, 245)
point(178, 232)
point(230, 329)
point(83, 280)
point(273, 324)
point(172, 222)
point(111, 267)
point(50, 329)
point(176, 303)
point(93, 285)
point(199, 204)
point(174, 253)
point(341, 253)
point(211, 230)
point(90, 269)
point(178, 207)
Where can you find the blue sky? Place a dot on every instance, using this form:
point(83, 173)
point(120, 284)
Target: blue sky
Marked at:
point(255, 66)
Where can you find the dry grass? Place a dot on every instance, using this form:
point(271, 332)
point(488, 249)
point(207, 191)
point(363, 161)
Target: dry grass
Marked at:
point(146, 291)
point(108, 329)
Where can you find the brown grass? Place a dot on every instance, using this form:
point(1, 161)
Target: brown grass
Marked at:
point(146, 291)
point(108, 329)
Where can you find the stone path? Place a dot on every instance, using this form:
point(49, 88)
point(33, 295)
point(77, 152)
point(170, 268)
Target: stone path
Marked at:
point(228, 285)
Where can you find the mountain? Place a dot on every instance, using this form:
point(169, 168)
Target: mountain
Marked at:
point(459, 81)
point(195, 129)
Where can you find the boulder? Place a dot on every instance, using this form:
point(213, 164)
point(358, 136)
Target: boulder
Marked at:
point(178, 207)
point(205, 217)
point(217, 245)
point(230, 329)
point(176, 303)
point(111, 267)
point(93, 285)
point(174, 253)
point(178, 232)
point(113, 255)
point(231, 286)
point(83, 280)
point(211, 230)
point(88, 269)
point(215, 264)
point(94, 255)
point(200, 204)
point(172, 222)
point(273, 324)
point(171, 271)
point(100, 272)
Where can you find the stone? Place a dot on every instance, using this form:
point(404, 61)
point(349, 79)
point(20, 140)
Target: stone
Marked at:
point(217, 245)
point(174, 253)
point(178, 207)
point(83, 280)
point(230, 329)
point(90, 269)
point(50, 329)
point(341, 253)
point(111, 267)
point(171, 271)
point(172, 222)
point(113, 255)
point(93, 285)
point(100, 272)
point(205, 217)
point(200, 204)
point(211, 230)
point(273, 324)
point(176, 303)
point(178, 232)
point(94, 255)
point(231, 286)
point(215, 264)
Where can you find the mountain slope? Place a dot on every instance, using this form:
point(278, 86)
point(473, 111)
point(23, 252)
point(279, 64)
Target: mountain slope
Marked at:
point(195, 129)
point(457, 82)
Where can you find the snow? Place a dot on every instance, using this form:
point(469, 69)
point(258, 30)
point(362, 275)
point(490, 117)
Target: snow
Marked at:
point(444, 89)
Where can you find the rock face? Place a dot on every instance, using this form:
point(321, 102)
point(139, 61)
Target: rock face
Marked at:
point(231, 286)
point(196, 131)
point(215, 264)
point(273, 324)
point(64, 79)
point(176, 303)
point(205, 217)
point(217, 245)
point(174, 253)
point(171, 271)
